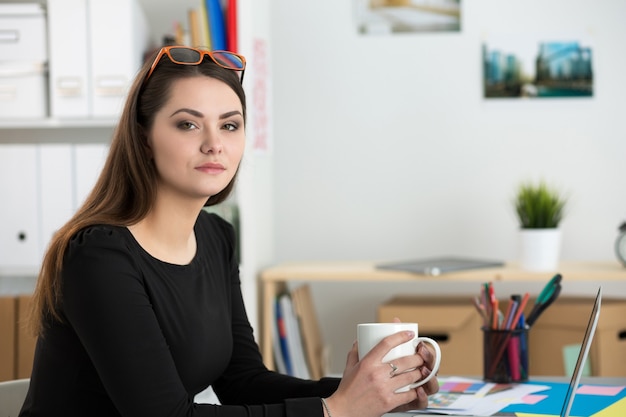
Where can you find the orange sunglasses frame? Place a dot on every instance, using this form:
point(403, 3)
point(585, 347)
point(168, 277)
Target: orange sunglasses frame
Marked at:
point(166, 51)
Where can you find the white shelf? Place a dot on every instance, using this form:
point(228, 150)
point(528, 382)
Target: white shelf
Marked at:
point(51, 123)
point(39, 131)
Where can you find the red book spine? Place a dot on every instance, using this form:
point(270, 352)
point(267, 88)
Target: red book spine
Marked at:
point(231, 25)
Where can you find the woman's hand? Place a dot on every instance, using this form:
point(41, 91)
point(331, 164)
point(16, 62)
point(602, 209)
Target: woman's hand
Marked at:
point(368, 386)
point(430, 387)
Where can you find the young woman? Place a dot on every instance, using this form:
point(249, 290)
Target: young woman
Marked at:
point(138, 306)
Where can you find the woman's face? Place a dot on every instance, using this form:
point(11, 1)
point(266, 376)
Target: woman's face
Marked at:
point(197, 139)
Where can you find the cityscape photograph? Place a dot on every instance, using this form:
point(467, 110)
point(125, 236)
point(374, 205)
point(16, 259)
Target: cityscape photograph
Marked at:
point(537, 69)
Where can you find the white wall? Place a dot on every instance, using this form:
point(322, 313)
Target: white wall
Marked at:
point(385, 148)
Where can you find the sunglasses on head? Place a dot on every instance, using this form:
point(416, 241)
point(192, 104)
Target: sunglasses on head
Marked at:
point(185, 55)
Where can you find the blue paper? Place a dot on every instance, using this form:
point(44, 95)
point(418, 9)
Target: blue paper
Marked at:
point(584, 404)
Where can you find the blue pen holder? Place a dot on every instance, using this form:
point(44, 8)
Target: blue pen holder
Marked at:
point(505, 355)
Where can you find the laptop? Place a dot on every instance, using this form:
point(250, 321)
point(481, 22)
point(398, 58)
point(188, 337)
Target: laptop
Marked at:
point(578, 369)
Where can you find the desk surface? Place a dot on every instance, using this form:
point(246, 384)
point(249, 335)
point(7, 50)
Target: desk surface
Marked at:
point(583, 404)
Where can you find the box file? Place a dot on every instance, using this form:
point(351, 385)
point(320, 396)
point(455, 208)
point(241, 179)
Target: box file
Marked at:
point(22, 90)
point(56, 195)
point(88, 162)
point(45, 184)
point(68, 69)
point(117, 41)
point(23, 32)
point(19, 228)
point(96, 49)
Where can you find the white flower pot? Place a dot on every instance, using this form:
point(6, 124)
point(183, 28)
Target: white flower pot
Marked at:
point(540, 249)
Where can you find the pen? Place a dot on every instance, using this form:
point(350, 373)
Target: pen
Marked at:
point(495, 315)
point(523, 346)
point(481, 310)
point(511, 314)
point(545, 293)
point(547, 296)
point(505, 342)
point(514, 357)
point(486, 301)
point(520, 310)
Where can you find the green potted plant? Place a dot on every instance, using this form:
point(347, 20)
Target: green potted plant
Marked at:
point(540, 210)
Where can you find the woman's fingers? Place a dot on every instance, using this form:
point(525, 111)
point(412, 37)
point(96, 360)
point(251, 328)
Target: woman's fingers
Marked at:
point(383, 347)
point(424, 350)
point(431, 386)
point(353, 355)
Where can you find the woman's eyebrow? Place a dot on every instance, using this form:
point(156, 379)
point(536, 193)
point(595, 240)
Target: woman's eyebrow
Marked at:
point(190, 111)
point(199, 114)
point(230, 113)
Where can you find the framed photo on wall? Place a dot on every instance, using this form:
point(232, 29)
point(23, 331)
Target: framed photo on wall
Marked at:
point(527, 66)
point(386, 17)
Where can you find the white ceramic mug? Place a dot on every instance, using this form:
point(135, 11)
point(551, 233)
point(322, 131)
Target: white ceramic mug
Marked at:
point(370, 334)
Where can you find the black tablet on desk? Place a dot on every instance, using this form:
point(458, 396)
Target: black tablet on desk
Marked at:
point(438, 266)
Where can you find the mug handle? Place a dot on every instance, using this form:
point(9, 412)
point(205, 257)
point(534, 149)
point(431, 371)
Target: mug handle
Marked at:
point(435, 365)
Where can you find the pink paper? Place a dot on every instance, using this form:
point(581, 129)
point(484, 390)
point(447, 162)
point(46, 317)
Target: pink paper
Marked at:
point(533, 399)
point(599, 390)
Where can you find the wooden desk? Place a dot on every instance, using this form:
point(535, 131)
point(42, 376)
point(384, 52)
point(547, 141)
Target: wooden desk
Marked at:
point(274, 280)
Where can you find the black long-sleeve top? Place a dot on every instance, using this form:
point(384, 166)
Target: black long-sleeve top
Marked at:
point(141, 337)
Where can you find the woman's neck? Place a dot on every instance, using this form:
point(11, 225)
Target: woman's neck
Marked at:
point(167, 233)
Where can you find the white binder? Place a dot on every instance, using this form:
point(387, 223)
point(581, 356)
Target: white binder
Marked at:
point(23, 32)
point(56, 191)
point(19, 229)
point(117, 42)
point(88, 162)
point(68, 66)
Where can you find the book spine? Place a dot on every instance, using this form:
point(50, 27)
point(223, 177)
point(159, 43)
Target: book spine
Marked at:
point(282, 335)
point(194, 27)
point(294, 338)
point(203, 17)
point(231, 25)
point(216, 24)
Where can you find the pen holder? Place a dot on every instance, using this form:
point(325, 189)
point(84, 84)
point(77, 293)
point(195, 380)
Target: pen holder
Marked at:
point(505, 355)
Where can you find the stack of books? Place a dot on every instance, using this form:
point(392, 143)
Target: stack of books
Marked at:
point(298, 346)
point(212, 25)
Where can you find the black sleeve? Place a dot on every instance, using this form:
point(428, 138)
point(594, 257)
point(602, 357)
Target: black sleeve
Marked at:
point(247, 380)
point(107, 306)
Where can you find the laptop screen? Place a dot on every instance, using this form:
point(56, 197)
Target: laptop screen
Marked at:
point(582, 355)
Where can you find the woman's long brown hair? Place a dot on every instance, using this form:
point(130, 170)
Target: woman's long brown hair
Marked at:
point(126, 188)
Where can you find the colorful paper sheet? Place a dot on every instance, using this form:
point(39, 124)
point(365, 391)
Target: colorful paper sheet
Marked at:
point(590, 400)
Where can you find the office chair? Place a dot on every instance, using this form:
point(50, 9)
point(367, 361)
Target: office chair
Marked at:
point(12, 394)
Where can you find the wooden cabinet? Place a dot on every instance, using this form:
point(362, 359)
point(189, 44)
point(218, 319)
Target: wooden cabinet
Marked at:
point(17, 345)
point(7, 338)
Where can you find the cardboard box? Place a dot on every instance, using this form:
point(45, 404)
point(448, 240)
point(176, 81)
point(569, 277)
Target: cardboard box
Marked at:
point(23, 34)
point(452, 321)
point(17, 346)
point(7, 338)
point(23, 90)
point(564, 324)
point(25, 350)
